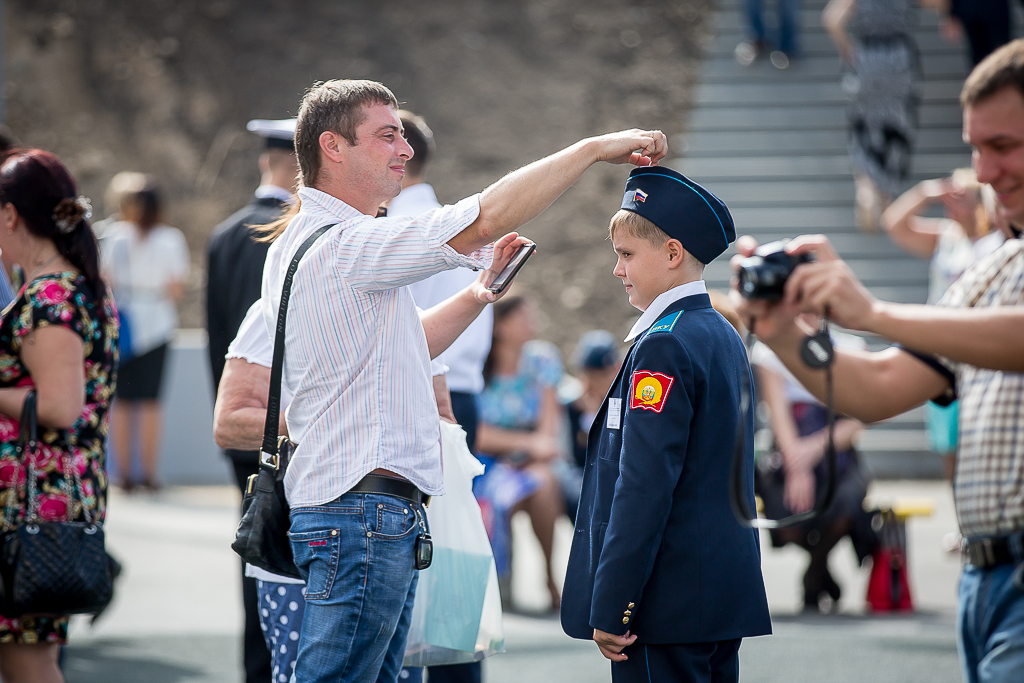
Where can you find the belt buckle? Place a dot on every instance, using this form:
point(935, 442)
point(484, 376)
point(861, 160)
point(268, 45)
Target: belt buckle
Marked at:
point(981, 553)
point(990, 553)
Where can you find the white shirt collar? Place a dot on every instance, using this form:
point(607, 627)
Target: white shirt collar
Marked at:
point(413, 200)
point(329, 203)
point(274, 192)
point(663, 301)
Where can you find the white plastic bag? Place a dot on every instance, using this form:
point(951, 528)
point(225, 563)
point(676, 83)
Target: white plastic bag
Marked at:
point(457, 615)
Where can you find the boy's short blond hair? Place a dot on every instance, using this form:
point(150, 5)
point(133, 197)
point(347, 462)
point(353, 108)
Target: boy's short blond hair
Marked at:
point(641, 228)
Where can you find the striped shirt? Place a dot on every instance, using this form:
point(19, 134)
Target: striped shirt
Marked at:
point(356, 360)
point(989, 485)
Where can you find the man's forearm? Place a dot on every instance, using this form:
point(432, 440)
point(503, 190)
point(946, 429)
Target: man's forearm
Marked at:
point(443, 323)
point(867, 386)
point(986, 338)
point(240, 412)
point(524, 194)
point(240, 429)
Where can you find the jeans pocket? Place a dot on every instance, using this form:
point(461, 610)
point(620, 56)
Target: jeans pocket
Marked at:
point(318, 552)
point(393, 520)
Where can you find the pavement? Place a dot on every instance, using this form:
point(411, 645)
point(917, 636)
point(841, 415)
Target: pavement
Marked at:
point(176, 617)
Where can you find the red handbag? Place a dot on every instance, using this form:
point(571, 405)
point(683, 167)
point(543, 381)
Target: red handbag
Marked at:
point(888, 586)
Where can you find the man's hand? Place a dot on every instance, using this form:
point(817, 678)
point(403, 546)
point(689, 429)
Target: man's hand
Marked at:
point(828, 282)
point(770, 320)
point(635, 146)
point(504, 249)
point(611, 646)
point(443, 323)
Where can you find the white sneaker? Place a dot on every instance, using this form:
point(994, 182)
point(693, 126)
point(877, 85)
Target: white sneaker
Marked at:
point(746, 52)
point(779, 59)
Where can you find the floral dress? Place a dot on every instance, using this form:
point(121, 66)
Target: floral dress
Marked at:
point(512, 402)
point(64, 299)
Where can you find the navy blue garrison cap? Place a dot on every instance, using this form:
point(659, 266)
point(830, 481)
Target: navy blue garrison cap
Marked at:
point(682, 209)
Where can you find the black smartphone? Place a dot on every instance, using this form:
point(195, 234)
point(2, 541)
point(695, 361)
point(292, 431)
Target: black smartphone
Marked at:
point(511, 268)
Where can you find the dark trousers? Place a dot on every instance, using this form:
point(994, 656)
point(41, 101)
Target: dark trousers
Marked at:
point(691, 663)
point(255, 655)
point(464, 407)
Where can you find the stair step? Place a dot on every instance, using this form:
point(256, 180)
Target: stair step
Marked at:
point(802, 118)
point(849, 245)
point(790, 94)
point(818, 44)
point(733, 6)
point(808, 19)
point(773, 192)
point(742, 143)
point(813, 168)
point(817, 69)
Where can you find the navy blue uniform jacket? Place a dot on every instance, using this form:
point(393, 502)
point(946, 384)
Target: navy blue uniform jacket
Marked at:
point(235, 275)
point(657, 550)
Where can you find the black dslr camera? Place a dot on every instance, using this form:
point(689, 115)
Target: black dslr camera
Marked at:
point(764, 275)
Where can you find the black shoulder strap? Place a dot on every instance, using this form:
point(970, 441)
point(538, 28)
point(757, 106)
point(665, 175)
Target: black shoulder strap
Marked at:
point(274, 401)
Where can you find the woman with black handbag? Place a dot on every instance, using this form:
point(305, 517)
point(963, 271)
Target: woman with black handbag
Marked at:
point(58, 342)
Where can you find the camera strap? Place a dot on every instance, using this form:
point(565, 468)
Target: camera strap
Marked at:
point(817, 352)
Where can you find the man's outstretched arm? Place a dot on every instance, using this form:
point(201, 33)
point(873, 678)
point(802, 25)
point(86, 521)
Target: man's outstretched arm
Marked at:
point(867, 386)
point(983, 337)
point(986, 338)
point(523, 194)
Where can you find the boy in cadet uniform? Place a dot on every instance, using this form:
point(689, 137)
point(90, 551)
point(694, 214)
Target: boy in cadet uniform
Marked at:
point(661, 574)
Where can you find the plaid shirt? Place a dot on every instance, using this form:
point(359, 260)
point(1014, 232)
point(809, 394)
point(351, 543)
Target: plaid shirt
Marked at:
point(989, 485)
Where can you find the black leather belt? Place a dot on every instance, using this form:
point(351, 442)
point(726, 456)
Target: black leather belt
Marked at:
point(992, 552)
point(400, 488)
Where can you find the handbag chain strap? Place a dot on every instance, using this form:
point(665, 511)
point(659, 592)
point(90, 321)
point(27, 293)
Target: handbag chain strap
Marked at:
point(268, 456)
point(27, 447)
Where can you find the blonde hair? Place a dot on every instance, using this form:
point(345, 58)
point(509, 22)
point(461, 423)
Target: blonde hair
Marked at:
point(639, 227)
point(272, 230)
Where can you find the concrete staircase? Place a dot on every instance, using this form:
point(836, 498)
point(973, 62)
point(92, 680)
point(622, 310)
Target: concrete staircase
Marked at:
point(772, 145)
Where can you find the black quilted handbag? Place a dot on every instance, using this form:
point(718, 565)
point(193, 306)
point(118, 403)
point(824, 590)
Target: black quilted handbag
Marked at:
point(262, 535)
point(51, 567)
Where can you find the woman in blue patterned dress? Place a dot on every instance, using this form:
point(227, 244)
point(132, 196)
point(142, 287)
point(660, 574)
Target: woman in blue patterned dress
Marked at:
point(58, 337)
point(520, 436)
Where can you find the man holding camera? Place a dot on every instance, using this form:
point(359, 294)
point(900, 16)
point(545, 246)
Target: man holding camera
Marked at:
point(969, 345)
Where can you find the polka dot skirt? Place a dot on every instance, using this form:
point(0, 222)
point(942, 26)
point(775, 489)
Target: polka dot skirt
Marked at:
point(281, 607)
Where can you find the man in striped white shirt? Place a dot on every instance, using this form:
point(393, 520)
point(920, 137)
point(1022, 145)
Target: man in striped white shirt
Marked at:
point(357, 358)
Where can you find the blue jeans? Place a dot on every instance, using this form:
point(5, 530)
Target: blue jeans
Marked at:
point(788, 24)
point(356, 554)
point(990, 623)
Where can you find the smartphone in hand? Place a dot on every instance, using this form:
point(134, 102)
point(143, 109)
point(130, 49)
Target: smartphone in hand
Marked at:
point(511, 269)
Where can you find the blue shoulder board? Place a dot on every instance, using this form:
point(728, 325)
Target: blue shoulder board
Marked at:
point(666, 324)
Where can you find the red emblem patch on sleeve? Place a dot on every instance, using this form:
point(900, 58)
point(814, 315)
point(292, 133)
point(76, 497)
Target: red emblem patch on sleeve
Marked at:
point(648, 390)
